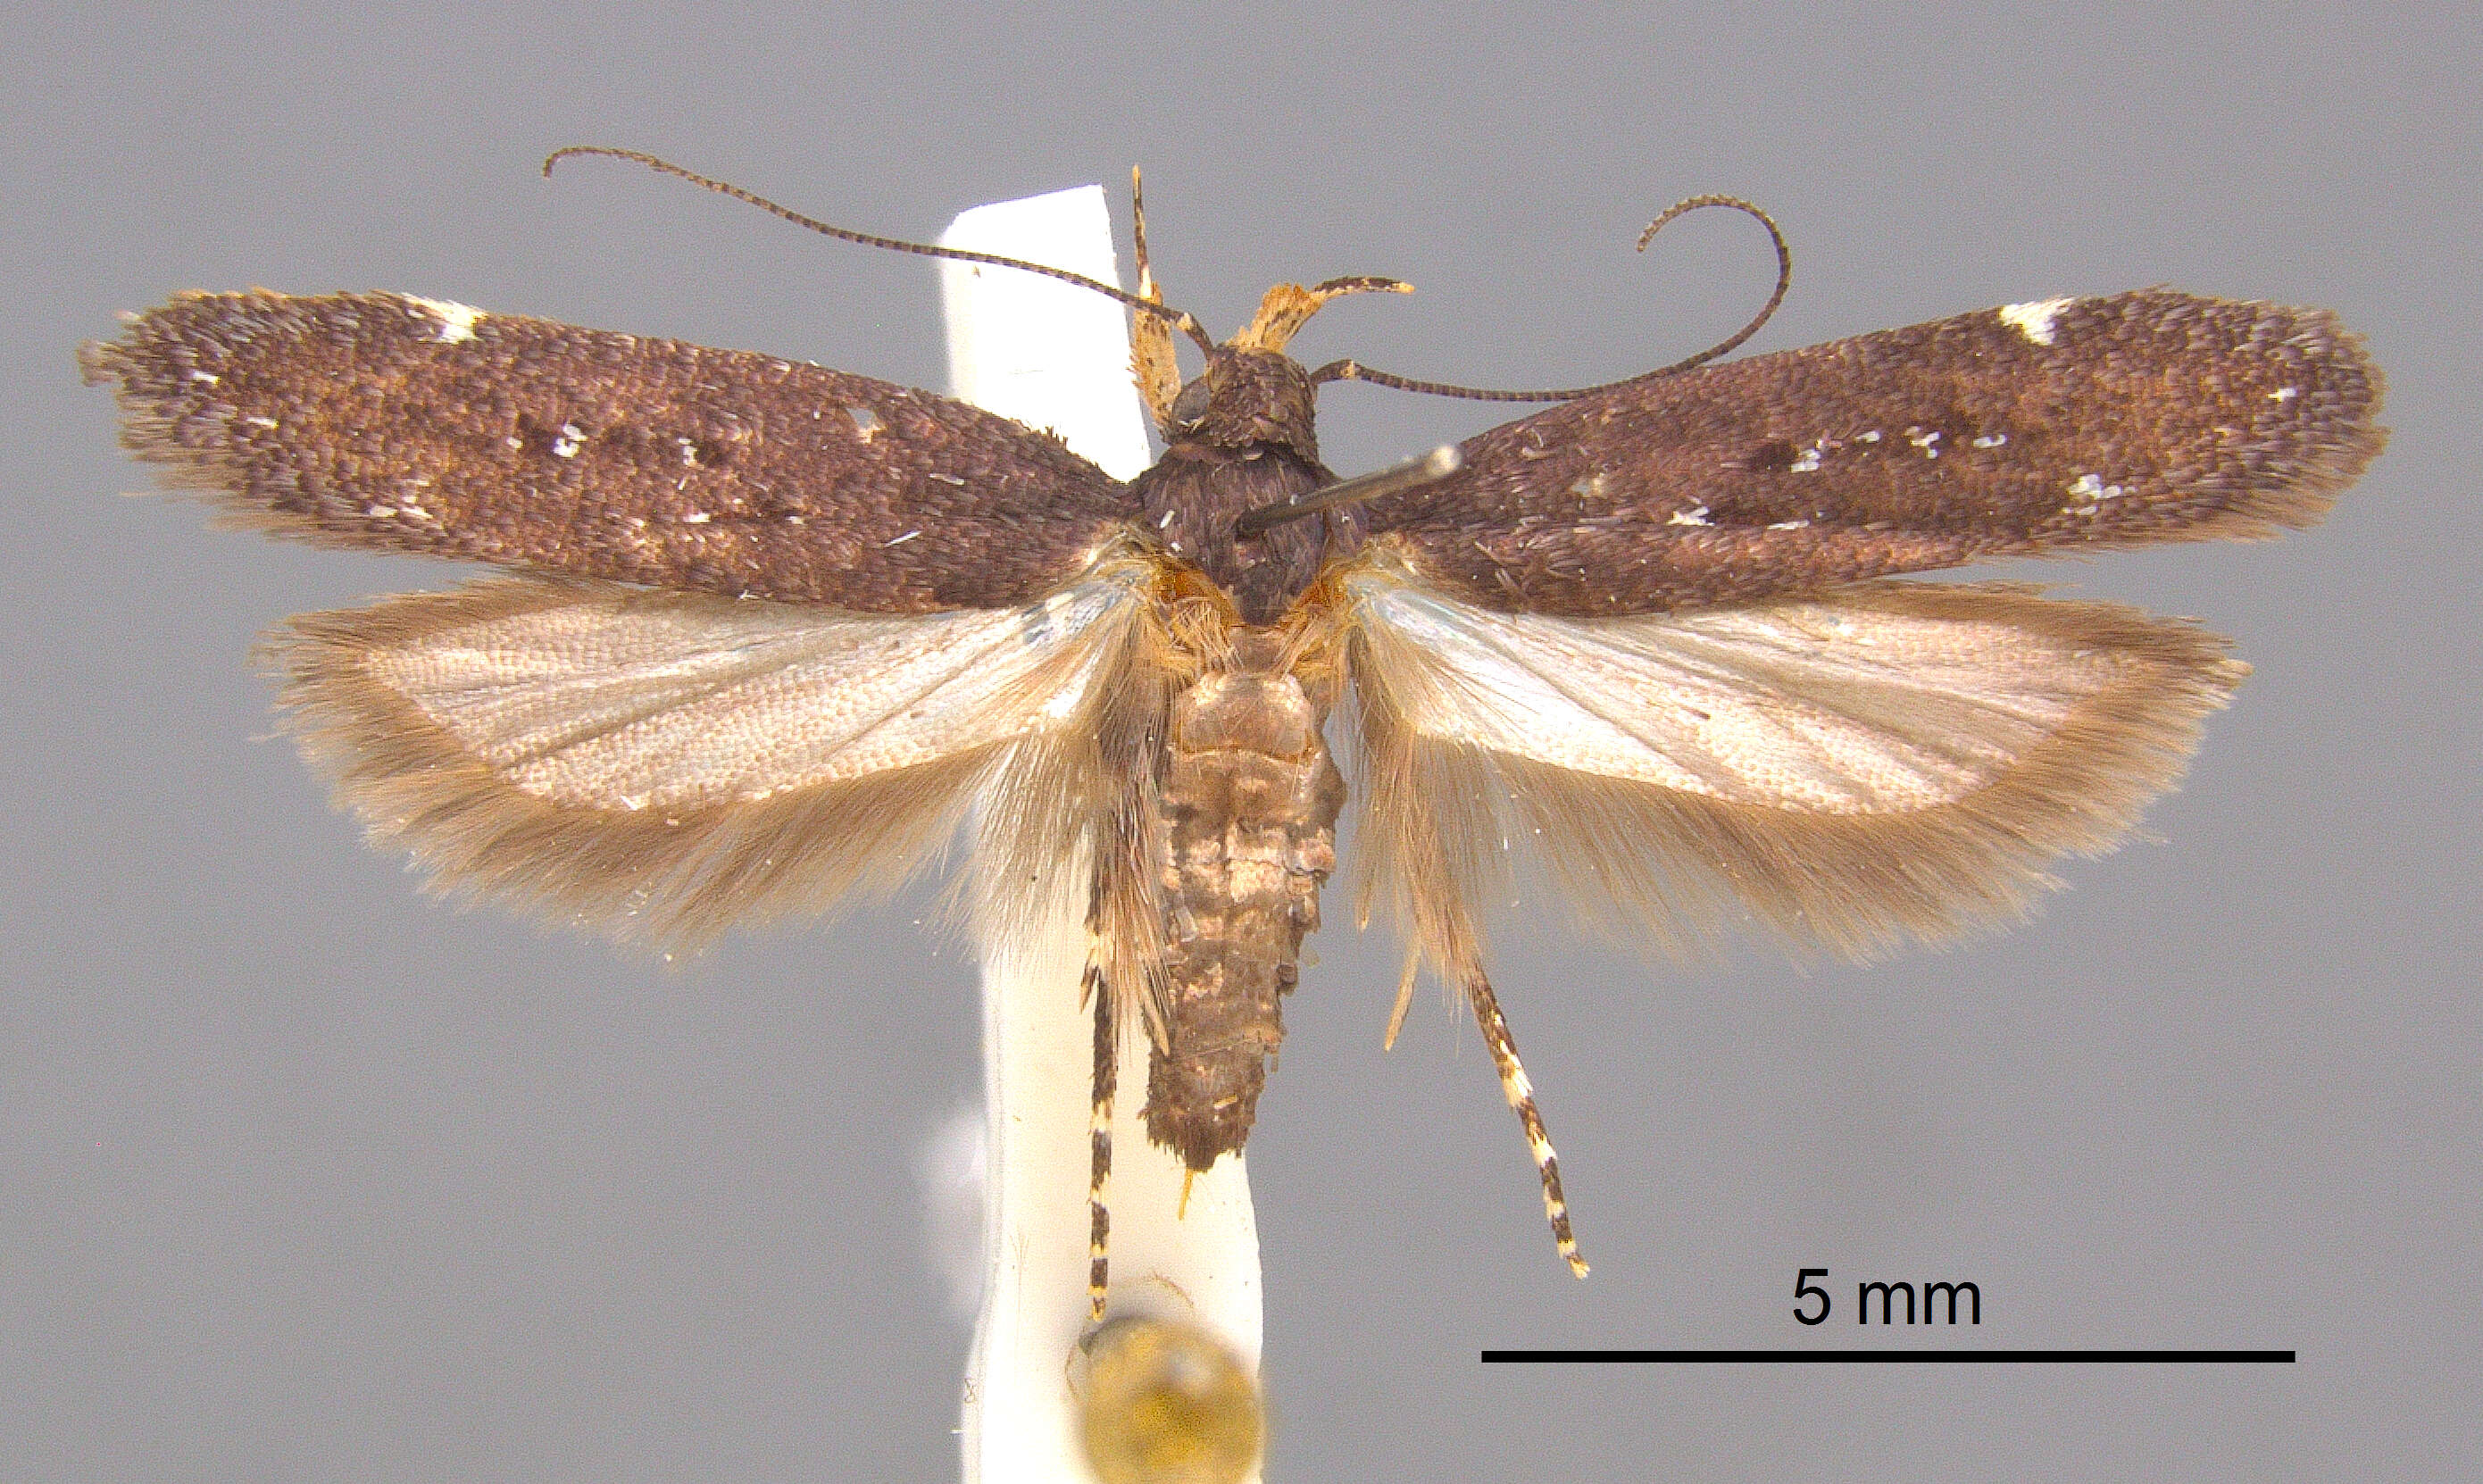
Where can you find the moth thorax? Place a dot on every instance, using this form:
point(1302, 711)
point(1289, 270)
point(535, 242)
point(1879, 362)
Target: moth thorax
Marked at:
point(1248, 834)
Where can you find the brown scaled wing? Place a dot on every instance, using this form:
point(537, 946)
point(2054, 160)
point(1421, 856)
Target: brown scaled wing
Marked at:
point(2097, 422)
point(387, 421)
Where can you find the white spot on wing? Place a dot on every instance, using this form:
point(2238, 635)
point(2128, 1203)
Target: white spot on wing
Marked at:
point(2280, 394)
point(571, 438)
point(1697, 517)
point(457, 321)
point(2034, 320)
point(902, 540)
point(1991, 440)
point(1807, 462)
point(2088, 492)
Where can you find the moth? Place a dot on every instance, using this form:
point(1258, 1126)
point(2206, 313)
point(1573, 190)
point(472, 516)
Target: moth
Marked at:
point(772, 632)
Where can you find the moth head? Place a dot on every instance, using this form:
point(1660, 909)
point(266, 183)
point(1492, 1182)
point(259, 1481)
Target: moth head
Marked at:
point(1252, 393)
point(1248, 398)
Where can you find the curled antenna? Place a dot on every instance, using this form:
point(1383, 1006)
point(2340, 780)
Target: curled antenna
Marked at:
point(1179, 318)
point(1353, 370)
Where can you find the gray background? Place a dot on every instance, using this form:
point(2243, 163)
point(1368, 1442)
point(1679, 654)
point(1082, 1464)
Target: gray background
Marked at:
point(305, 1176)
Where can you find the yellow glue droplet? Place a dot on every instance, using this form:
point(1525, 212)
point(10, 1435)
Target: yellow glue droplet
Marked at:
point(1168, 1403)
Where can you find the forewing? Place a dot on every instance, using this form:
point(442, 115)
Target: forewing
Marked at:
point(390, 422)
point(661, 764)
point(1890, 758)
point(2069, 424)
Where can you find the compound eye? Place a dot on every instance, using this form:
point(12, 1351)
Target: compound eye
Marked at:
point(1192, 405)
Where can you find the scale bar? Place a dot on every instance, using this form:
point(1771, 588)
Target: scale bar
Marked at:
point(2140, 1356)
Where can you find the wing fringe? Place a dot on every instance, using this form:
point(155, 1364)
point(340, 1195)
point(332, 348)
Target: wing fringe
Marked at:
point(1085, 791)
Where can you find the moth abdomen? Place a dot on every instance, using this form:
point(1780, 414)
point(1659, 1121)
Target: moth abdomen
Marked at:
point(1248, 829)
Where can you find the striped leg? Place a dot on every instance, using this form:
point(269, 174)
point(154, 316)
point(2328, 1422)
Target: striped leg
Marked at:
point(1099, 1170)
point(1521, 1096)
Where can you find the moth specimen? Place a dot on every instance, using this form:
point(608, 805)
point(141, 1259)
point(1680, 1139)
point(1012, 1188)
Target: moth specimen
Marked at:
point(775, 630)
